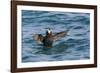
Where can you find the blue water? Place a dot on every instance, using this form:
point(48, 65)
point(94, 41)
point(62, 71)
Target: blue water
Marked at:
point(75, 46)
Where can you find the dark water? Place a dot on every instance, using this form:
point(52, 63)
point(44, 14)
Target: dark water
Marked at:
point(76, 46)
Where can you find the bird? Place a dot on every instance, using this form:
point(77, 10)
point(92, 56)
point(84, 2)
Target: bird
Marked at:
point(49, 37)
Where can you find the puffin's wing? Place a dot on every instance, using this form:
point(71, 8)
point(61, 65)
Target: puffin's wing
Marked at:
point(38, 38)
point(59, 35)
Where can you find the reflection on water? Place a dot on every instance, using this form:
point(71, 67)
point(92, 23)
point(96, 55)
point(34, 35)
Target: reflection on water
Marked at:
point(75, 46)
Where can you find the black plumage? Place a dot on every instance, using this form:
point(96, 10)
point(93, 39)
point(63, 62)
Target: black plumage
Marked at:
point(49, 38)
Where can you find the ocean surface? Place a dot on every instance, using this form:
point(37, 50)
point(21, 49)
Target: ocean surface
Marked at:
point(75, 46)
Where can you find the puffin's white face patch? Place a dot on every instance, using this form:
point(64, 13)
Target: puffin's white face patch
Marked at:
point(49, 31)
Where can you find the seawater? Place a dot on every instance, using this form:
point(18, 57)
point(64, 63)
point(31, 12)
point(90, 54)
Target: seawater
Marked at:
point(75, 46)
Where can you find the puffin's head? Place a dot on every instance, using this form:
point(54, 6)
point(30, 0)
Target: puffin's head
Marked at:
point(49, 31)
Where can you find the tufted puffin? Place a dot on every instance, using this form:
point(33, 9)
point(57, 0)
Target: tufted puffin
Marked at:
point(49, 38)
